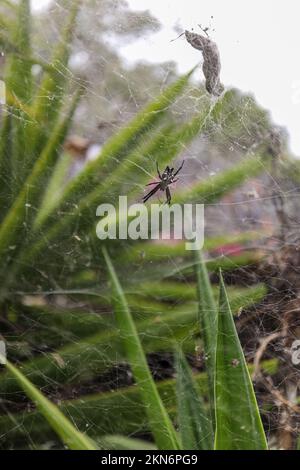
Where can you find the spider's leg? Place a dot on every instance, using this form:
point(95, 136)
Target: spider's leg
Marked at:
point(154, 182)
point(153, 191)
point(168, 194)
point(177, 171)
point(158, 172)
point(174, 181)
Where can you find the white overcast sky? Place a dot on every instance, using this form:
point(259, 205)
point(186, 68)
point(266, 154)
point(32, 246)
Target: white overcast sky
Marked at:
point(259, 42)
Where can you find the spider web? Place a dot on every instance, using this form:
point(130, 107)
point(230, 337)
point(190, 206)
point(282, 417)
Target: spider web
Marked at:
point(265, 206)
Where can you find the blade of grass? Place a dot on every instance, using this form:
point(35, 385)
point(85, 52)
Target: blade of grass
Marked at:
point(10, 4)
point(24, 206)
point(18, 80)
point(208, 321)
point(160, 423)
point(195, 427)
point(5, 163)
point(228, 263)
point(217, 186)
point(60, 424)
point(175, 291)
point(52, 90)
point(238, 422)
point(159, 250)
point(54, 189)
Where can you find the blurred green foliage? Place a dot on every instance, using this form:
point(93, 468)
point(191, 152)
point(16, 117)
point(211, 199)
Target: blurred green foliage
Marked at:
point(55, 302)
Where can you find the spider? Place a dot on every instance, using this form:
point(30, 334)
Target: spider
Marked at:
point(166, 178)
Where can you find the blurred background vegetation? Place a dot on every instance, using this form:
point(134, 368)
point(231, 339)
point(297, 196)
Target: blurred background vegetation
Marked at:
point(81, 128)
